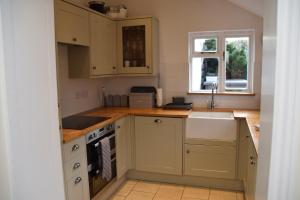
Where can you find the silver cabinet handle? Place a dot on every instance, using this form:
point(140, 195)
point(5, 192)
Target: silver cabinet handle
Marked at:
point(158, 121)
point(77, 180)
point(76, 166)
point(75, 147)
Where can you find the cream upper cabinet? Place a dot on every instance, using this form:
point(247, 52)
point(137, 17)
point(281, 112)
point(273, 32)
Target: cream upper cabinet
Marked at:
point(251, 175)
point(210, 161)
point(71, 24)
point(103, 33)
point(123, 146)
point(137, 46)
point(158, 144)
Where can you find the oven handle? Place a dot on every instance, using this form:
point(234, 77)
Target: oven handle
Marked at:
point(98, 143)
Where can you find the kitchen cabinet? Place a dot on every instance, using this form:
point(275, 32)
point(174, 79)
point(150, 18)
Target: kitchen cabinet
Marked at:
point(103, 45)
point(243, 155)
point(75, 170)
point(137, 46)
point(123, 146)
point(210, 161)
point(71, 24)
point(158, 144)
point(251, 172)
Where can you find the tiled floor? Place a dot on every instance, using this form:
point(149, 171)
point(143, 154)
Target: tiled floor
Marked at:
point(141, 190)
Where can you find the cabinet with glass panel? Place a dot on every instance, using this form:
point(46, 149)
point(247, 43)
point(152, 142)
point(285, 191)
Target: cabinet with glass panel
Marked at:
point(137, 46)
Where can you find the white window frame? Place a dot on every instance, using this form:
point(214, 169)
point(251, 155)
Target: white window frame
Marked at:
point(221, 35)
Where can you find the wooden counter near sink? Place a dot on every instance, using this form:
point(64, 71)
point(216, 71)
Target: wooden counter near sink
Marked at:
point(251, 116)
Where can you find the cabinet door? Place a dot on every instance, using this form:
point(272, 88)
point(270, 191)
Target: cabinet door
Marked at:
point(244, 135)
point(251, 177)
point(103, 45)
point(123, 146)
point(135, 46)
point(210, 161)
point(158, 143)
point(71, 24)
point(77, 188)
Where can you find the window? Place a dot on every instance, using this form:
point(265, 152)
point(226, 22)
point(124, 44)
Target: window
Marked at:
point(222, 58)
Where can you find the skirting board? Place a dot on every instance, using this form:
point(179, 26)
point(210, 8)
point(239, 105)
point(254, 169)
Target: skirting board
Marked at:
point(227, 184)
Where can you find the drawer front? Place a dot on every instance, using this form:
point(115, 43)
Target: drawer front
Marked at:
point(74, 149)
point(74, 166)
point(77, 188)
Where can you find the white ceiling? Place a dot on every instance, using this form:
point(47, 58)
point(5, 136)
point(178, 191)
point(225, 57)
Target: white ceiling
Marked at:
point(254, 6)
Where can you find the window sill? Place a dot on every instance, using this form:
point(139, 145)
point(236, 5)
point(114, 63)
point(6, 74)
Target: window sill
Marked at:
point(223, 93)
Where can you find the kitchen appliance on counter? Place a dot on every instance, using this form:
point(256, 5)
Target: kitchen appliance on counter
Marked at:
point(142, 97)
point(95, 160)
point(178, 103)
point(78, 122)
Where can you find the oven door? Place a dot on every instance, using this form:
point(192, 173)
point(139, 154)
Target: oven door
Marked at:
point(95, 165)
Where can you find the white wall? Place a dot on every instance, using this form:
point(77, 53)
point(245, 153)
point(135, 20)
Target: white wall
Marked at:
point(78, 95)
point(267, 98)
point(34, 146)
point(176, 19)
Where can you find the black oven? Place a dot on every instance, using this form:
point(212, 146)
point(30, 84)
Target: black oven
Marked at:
point(94, 157)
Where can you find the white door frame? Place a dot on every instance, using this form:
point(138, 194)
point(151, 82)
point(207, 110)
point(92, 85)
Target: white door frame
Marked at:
point(284, 155)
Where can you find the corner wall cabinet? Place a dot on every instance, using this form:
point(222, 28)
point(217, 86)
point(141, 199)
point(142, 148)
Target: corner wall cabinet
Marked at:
point(71, 24)
point(100, 46)
point(158, 144)
point(103, 45)
point(75, 170)
point(137, 45)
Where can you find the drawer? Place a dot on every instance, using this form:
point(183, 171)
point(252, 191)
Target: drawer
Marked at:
point(74, 166)
point(74, 148)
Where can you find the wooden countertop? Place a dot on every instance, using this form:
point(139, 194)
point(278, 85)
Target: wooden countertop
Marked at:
point(252, 117)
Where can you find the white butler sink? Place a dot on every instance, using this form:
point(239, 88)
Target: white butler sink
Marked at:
point(211, 126)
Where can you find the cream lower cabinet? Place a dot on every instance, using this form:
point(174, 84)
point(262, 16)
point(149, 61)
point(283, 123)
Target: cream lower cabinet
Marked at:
point(123, 146)
point(247, 160)
point(244, 136)
point(158, 144)
point(210, 161)
point(251, 173)
point(71, 24)
point(75, 170)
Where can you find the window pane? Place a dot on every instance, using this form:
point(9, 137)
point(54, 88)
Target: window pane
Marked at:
point(204, 73)
point(206, 45)
point(237, 61)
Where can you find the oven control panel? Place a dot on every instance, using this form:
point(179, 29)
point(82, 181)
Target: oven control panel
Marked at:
point(95, 134)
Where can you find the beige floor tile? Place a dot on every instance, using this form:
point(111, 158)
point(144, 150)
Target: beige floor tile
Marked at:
point(126, 188)
point(240, 196)
point(135, 195)
point(195, 193)
point(117, 197)
point(169, 192)
point(222, 195)
point(146, 187)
